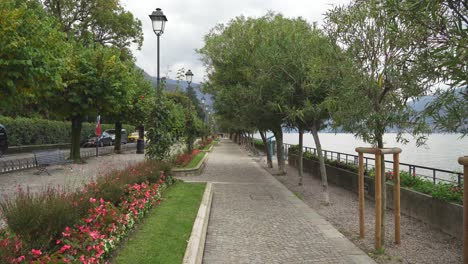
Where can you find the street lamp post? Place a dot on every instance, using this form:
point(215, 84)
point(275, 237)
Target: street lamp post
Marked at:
point(158, 20)
point(188, 78)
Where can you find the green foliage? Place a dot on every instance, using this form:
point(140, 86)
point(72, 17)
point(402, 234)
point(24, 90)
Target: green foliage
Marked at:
point(160, 130)
point(104, 22)
point(36, 131)
point(384, 71)
point(447, 192)
point(32, 54)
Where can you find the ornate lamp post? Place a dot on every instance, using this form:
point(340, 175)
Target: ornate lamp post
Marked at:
point(158, 20)
point(188, 78)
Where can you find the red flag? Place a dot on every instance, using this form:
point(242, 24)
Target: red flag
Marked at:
point(98, 127)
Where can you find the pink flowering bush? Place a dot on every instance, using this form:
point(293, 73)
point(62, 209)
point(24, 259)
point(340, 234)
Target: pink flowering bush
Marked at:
point(92, 237)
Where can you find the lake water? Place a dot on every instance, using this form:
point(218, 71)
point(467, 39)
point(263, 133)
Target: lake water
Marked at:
point(441, 150)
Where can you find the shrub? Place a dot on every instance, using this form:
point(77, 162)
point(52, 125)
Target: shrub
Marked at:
point(38, 218)
point(37, 131)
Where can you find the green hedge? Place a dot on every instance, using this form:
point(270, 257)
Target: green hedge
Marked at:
point(36, 131)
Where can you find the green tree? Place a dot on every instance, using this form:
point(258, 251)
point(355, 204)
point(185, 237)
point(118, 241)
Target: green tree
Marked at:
point(385, 73)
point(97, 21)
point(239, 60)
point(446, 22)
point(32, 57)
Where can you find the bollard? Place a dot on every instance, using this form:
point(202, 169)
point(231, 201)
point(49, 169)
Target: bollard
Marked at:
point(140, 146)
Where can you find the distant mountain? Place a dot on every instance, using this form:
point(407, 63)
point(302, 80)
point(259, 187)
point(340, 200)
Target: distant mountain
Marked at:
point(421, 103)
point(171, 86)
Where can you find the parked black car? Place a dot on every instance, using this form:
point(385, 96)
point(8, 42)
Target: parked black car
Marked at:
point(124, 138)
point(104, 140)
point(3, 140)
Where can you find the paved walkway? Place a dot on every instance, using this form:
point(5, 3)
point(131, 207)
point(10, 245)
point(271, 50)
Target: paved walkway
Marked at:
point(255, 219)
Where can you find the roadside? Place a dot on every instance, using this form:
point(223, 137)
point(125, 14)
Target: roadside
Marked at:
point(15, 156)
point(420, 243)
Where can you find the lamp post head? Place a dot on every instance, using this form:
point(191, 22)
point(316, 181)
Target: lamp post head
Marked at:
point(188, 76)
point(159, 20)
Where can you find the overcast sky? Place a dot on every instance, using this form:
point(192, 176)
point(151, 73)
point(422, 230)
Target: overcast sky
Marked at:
point(190, 20)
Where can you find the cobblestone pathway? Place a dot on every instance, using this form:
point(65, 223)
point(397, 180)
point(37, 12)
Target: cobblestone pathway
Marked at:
point(255, 219)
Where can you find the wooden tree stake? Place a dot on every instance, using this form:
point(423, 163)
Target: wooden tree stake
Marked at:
point(378, 201)
point(361, 195)
point(464, 161)
point(396, 196)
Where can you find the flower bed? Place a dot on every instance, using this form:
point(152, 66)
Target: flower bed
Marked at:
point(206, 144)
point(83, 226)
point(184, 159)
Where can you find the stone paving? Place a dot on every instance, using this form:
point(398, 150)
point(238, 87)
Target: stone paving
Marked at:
point(255, 219)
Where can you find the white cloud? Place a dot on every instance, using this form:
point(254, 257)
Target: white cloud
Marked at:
point(190, 20)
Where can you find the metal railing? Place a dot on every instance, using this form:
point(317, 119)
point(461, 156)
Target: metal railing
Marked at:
point(27, 163)
point(433, 174)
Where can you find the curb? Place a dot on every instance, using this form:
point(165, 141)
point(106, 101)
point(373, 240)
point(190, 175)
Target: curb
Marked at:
point(208, 150)
point(196, 244)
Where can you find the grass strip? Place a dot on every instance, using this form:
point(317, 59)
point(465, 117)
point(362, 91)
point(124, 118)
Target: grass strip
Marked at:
point(194, 162)
point(162, 237)
point(207, 147)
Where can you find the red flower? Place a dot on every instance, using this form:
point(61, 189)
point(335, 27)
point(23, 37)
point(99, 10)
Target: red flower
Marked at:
point(92, 200)
point(36, 252)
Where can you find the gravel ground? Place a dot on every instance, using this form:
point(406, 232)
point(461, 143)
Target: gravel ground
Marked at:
point(419, 242)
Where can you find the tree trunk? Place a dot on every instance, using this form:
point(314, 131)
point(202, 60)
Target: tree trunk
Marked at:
point(380, 144)
point(279, 151)
point(118, 137)
point(323, 171)
point(267, 148)
point(301, 143)
point(189, 144)
point(76, 138)
point(141, 132)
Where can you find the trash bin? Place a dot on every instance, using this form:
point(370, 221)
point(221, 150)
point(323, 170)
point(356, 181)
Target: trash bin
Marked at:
point(3, 140)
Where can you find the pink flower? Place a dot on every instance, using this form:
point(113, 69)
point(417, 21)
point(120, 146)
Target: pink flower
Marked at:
point(94, 234)
point(92, 200)
point(21, 258)
point(36, 252)
point(64, 248)
point(58, 242)
point(67, 232)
